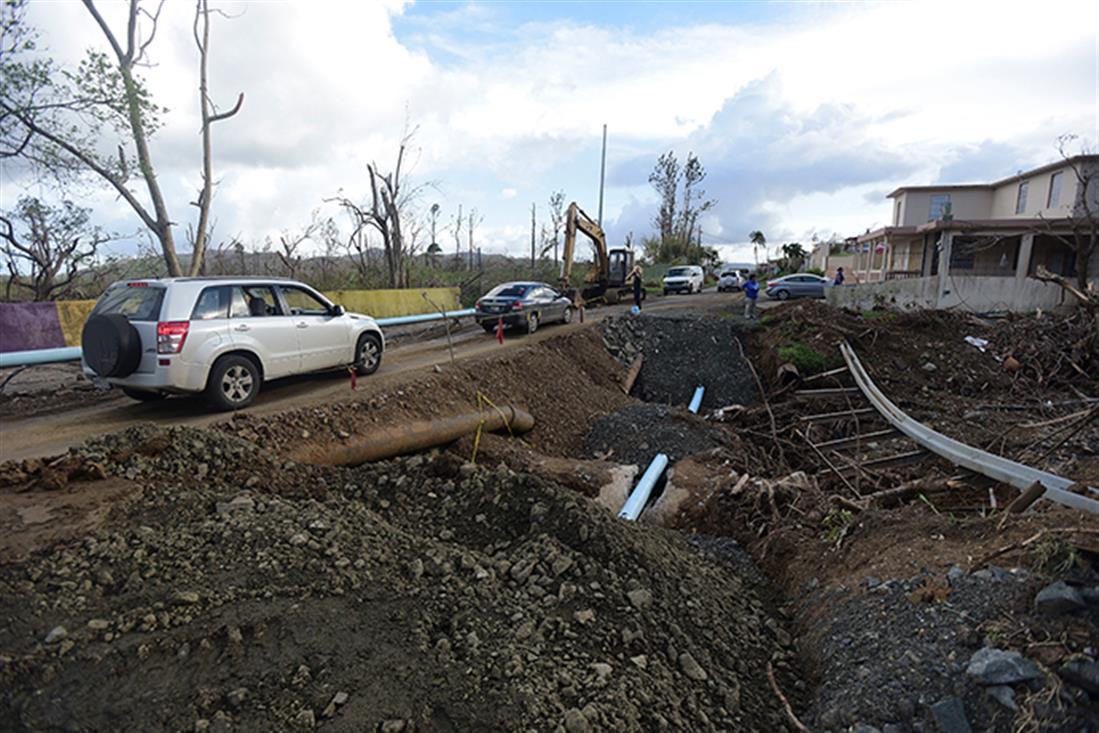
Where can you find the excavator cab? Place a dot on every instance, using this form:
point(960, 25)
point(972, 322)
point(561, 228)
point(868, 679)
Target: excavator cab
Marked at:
point(620, 263)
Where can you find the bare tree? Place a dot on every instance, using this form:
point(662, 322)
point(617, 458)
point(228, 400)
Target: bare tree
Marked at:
point(551, 237)
point(1079, 231)
point(695, 202)
point(210, 115)
point(57, 120)
point(52, 249)
point(383, 212)
point(472, 222)
point(665, 178)
point(291, 241)
point(458, 239)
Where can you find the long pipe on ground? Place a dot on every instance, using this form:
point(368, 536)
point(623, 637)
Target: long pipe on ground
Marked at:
point(696, 400)
point(633, 507)
point(397, 440)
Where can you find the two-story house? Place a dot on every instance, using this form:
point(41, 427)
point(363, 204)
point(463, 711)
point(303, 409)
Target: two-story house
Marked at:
point(975, 245)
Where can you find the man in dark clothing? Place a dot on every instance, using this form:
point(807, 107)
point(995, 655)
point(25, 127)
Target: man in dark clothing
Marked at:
point(751, 293)
point(839, 277)
point(638, 285)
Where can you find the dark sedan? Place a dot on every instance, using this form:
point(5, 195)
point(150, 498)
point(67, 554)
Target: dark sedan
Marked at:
point(524, 304)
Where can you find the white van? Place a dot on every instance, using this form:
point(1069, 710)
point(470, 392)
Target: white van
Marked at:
point(684, 279)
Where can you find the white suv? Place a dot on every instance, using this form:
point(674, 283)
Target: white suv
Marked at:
point(685, 279)
point(220, 336)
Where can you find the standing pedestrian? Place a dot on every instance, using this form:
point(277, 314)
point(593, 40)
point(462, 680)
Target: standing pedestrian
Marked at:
point(839, 277)
point(751, 293)
point(638, 278)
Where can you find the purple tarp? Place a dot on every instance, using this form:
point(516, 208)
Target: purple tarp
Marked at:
point(27, 326)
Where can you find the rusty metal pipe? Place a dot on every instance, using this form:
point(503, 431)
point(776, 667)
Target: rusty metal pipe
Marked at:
point(397, 440)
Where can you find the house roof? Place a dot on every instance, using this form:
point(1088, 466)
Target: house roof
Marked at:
point(884, 232)
point(996, 184)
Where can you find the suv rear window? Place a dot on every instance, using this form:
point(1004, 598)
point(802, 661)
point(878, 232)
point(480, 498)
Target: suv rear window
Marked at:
point(137, 303)
point(212, 303)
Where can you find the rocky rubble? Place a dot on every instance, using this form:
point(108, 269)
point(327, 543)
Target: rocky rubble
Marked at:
point(412, 595)
point(681, 352)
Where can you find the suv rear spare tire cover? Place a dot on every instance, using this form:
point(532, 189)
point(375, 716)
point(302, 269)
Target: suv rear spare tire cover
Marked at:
point(111, 346)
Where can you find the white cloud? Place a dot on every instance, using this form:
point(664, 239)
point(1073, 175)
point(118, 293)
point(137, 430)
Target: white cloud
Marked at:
point(798, 122)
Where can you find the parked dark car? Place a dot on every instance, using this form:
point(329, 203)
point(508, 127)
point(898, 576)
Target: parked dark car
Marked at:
point(802, 285)
point(524, 304)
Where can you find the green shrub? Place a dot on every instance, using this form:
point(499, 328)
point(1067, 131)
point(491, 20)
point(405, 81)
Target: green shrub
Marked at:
point(807, 359)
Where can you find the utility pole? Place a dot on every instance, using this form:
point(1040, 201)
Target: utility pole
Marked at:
point(602, 175)
point(532, 224)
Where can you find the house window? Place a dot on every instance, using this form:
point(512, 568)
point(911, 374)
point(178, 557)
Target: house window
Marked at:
point(940, 204)
point(1054, 189)
point(1020, 202)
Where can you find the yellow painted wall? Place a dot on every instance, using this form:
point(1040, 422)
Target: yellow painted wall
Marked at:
point(377, 303)
point(71, 314)
point(392, 303)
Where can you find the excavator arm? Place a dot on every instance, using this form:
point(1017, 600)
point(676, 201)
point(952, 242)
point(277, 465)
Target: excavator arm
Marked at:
point(596, 278)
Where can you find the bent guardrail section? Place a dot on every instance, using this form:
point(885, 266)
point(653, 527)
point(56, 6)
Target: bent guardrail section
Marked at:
point(995, 467)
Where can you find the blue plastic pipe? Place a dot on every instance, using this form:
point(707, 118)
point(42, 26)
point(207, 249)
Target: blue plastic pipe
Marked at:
point(634, 505)
point(402, 320)
point(39, 356)
point(696, 401)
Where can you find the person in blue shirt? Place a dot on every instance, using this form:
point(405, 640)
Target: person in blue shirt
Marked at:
point(839, 277)
point(751, 293)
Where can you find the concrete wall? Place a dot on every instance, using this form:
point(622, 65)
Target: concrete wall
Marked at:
point(977, 294)
point(918, 292)
point(47, 325)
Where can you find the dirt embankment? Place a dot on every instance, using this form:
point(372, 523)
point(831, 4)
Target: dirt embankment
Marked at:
point(415, 594)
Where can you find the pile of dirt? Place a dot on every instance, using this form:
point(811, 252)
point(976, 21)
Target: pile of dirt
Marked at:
point(636, 433)
point(586, 382)
point(411, 595)
point(681, 352)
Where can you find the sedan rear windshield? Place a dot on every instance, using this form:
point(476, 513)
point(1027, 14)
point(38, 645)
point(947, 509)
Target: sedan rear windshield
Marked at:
point(510, 291)
point(679, 272)
point(136, 302)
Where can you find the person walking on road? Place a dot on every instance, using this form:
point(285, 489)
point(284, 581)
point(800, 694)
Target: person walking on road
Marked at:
point(839, 277)
point(751, 293)
point(638, 285)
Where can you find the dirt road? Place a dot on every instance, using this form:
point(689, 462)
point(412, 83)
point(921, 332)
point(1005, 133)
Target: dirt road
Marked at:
point(55, 433)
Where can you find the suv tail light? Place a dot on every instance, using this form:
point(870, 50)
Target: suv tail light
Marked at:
point(170, 336)
point(517, 305)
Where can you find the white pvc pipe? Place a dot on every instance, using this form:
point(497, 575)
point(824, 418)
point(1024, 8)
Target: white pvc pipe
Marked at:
point(634, 505)
point(696, 401)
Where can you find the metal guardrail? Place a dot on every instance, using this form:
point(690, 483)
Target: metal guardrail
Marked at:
point(995, 467)
point(72, 353)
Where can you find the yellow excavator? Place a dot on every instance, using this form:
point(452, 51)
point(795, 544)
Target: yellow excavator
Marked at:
point(606, 280)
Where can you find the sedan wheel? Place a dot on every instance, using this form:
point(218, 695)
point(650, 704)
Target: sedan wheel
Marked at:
point(783, 294)
point(532, 323)
point(567, 317)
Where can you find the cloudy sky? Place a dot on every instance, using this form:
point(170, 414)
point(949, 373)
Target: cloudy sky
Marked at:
point(804, 114)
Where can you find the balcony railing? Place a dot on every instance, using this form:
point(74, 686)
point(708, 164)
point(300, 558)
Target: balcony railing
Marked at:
point(903, 274)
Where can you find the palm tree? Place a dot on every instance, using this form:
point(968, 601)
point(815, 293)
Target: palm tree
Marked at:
point(758, 240)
